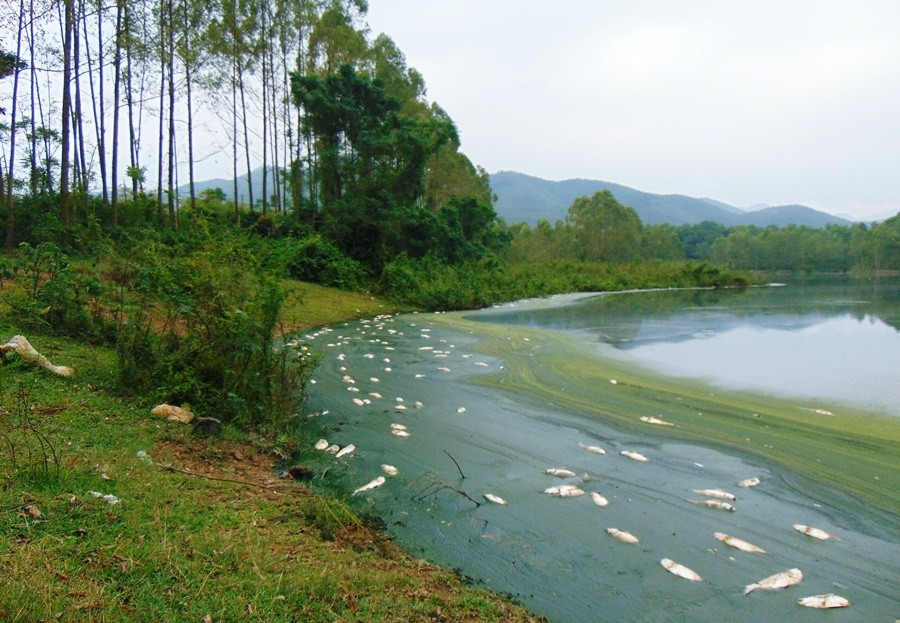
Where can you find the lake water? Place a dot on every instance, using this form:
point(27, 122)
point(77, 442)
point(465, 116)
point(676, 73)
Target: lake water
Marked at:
point(468, 433)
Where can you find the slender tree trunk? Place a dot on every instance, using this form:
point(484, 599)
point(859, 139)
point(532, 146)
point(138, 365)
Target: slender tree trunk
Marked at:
point(64, 195)
point(188, 62)
point(173, 222)
point(246, 137)
point(265, 102)
point(31, 46)
point(129, 96)
point(98, 118)
point(10, 212)
point(117, 61)
point(102, 125)
point(162, 95)
point(234, 159)
point(78, 120)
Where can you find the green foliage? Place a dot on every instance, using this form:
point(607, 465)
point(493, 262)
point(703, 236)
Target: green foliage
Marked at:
point(604, 228)
point(58, 298)
point(317, 260)
point(209, 338)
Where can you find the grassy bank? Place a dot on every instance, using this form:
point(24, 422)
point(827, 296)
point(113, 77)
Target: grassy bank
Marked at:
point(203, 529)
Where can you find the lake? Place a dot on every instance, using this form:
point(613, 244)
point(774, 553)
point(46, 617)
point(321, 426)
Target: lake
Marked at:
point(490, 400)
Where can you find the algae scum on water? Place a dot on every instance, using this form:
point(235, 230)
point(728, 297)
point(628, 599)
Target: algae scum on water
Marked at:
point(487, 410)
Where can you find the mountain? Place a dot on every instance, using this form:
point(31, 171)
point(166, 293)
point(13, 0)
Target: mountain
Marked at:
point(526, 198)
point(227, 186)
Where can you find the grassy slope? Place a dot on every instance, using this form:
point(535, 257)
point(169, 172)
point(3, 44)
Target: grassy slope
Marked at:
point(181, 546)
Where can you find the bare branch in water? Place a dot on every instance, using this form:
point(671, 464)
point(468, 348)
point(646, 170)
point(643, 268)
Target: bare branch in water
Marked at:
point(455, 463)
point(435, 485)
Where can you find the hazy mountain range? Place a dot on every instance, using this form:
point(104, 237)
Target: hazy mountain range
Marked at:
point(523, 198)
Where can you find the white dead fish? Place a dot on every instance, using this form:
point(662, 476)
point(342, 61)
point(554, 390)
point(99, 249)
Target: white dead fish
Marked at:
point(715, 493)
point(399, 407)
point(559, 472)
point(716, 504)
point(829, 600)
point(598, 499)
point(321, 444)
point(371, 485)
point(390, 470)
point(564, 491)
point(333, 449)
point(635, 456)
point(375, 394)
point(749, 482)
point(461, 410)
point(740, 544)
point(396, 426)
point(358, 402)
point(345, 451)
point(815, 533)
point(594, 449)
point(496, 499)
point(625, 537)
point(399, 432)
point(777, 581)
point(680, 570)
point(654, 420)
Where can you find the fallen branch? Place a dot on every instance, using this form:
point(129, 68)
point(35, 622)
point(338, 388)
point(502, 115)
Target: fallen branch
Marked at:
point(457, 464)
point(26, 351)
point(249, 483)
point(436, 485)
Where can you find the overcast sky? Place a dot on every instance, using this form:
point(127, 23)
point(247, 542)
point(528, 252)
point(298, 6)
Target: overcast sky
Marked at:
point(744, 102)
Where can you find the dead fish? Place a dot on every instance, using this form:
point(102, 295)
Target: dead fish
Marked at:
point(749, 482)
point(594, 449)
point(321, 444)
point(779, 580)
point(625, 537)
point(598, 499)
point(345, 451)
point(815, 533)
point(559, 472)
point(333, 449)
point(390, 470)
point(829, 600)
point(633, 455)
point(396, 426)
point(715, 493)
point(496, 499)
point(716, 504)
point(358, 402)
point(654, 420)
point(399, 432)
point(371, 485)
point(680, 570)
point(739, 543)
point(564, 491)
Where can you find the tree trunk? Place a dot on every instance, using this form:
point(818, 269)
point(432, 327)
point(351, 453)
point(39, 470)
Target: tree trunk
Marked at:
point(64, 194)
point(10, 213)
point(34, 174)
point(246, 137)
point(188, 62)
point(162, 95)
point(129, 96)
point(173, 221)
point(117, 61)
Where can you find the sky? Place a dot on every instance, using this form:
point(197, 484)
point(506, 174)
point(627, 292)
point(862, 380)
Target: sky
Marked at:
point(764, 102)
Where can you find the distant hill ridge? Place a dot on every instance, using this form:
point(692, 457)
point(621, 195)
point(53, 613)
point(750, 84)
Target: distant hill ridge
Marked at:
point(524, 198)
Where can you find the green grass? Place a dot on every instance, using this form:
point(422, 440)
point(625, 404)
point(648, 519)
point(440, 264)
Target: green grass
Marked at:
point(181, 547)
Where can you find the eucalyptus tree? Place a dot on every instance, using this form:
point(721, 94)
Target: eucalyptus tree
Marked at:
point(605, 229)
point(12, 66)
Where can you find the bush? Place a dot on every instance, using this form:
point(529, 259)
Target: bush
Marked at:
point(205, 336)
point(318, 260)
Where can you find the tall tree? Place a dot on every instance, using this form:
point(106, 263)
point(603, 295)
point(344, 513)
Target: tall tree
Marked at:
point(605, 229)
point(16, 67)
point(64, 190)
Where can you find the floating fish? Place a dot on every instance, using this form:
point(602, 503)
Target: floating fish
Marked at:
point(375, 394)
point(598, 499)
point(321, 444)
point(496, 499)
point(779, 580)
point(559, 472)
point(829, 600)
point(625, 537)
point(345, 451)
point(399, 433)
point(749, 482)
point(594, 449)
point(815, 533)
point(371, 485)
point(358, 402)
point(333, 449)
point(461, 410)
point(716, 504)
point(633, 455)
point(390, 470)
point(396, 426)
point(715, 493)
point(564, 491)
point(739, 543)
point(653, 420)
point(680, 570)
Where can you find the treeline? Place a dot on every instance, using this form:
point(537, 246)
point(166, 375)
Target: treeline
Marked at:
point(599, 228)
point(338, 122)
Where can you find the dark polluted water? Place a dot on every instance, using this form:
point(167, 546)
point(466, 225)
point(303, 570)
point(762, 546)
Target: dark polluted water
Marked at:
point(412, 374)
